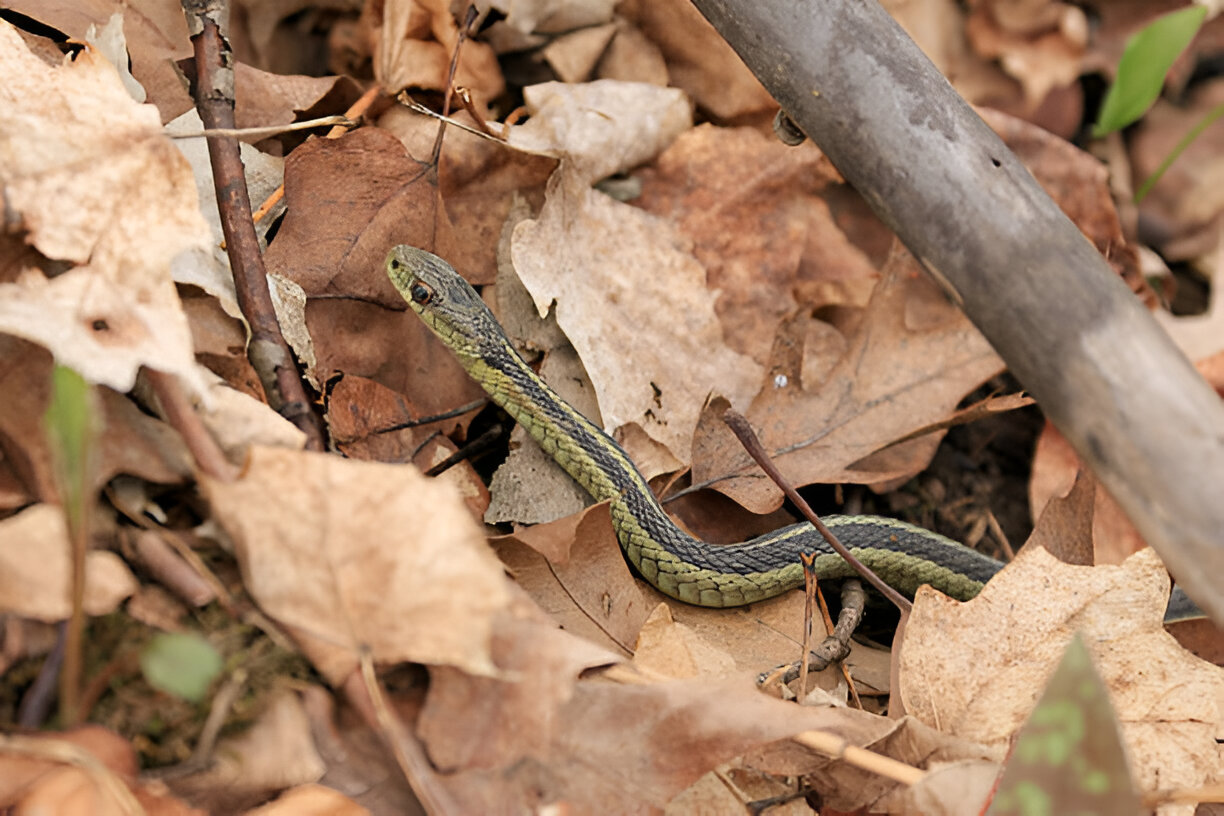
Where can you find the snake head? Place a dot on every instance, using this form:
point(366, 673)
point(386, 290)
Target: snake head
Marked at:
point(445, 301)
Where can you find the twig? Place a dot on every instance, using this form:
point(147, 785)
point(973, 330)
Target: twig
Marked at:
point(469, 451)
point(342, 122)
point(268, 351)
point(180, 416)
point(748, 438)
point(432, 418)
point(412, 105)
point(409, 754)
point(838, 748)
point(469, 18)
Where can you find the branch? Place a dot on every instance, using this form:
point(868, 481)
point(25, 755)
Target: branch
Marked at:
point(1099, 365)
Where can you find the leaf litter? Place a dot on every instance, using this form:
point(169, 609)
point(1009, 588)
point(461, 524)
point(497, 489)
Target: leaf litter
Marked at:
point(553, 674)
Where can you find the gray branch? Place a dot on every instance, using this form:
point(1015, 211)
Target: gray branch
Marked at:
point(1100, 366)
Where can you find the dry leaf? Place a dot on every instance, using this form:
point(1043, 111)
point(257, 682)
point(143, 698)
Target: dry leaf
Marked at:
point(276, 752)
point(88, 771)
point(547, 16)
point(91, 179)
point(349, 555)
point(372, 195)
point(155, 33)
point(787, 251)
point(624, 285)
point(909, 362)
point(573, 56)
point(404, 58)
point(573, 569)
point(1041, 47)
point(131, 441)
point(487, 722)
point(310, 800)
point(36, 569)
point(976, 669)
point(698, 58)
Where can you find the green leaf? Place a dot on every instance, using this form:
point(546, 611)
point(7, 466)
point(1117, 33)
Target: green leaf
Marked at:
point(1147, 59)
point(180, 664)
point(1069, 757)
point(72, 422)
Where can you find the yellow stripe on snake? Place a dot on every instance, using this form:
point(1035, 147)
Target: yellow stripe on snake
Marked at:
point(905, 556)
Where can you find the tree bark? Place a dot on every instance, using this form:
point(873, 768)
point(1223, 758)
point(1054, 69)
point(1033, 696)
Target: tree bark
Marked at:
point(1105, 373)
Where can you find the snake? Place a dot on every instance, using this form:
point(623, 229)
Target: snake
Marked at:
point(905, 556)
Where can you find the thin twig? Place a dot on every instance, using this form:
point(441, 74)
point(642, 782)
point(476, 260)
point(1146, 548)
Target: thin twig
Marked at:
point(748, 438)
point(468, 451)
point(342, 122)
point(412, 105)
point(182, 417)
point(268, 351)
point(469, 17)
point(432, 418)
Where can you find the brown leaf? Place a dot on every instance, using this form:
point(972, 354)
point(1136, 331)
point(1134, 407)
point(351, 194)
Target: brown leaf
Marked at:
point(88, 771)
point(495, 721)
point(573, 568)
point(977, 668)
point(1065, 527)
point(908, 363)
point(349, 555)
point(275, 752)
point(639, 291)
point(92, 181)
point(786, 243)
point(131, 441)
point(698, 59)
point(479, 179)
point(1038, 44)
point(36, 569)
point(405, 58)
point(156, 34)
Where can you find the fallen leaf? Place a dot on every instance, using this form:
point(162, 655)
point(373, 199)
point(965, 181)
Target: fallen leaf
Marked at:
point(131, 441)
point(415, 41)
point(573, 56)
point(908, 363)
point(553, 15)
point(639, 290)
point(1040, 45)
point(276, 752)
point(92, 181)
point(698, 58)
point(88, 771)
point(788, 250)
point(975, 669)
point(36, 571)
point(577, 575)
point(486, 722)
point(310, 800)
point(155, 33)
point(350, 555)
point(1069, 752)
point(372, 195)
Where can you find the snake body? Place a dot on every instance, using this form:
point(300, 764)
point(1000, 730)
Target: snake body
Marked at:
point(679, 565)
point(904, 555)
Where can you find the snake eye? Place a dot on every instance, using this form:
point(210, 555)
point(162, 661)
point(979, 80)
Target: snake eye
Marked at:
point(421, 294)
